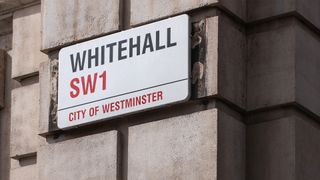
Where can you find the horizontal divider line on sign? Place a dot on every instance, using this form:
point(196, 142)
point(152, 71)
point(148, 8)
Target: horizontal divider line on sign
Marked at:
point(122, 94)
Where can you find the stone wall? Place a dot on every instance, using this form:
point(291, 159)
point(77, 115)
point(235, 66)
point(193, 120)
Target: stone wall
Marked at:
point(254, 109)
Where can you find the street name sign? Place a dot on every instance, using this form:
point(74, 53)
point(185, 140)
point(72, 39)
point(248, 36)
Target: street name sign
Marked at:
point(126, 72)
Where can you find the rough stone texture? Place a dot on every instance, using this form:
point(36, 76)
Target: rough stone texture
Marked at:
point(307, 148)
point(5, 116)
point(85, 158)
point(307, 66)
point(2, 77)
point(45, 87)
point(6, 25)
point(224, 72)
point(271, 71)
point(183, 147)
point(6, 42)
point(69, 21)
point(231, 147)
point(47, 80)
point(283, 147)
point(283, 66)
point(261, 9)
point(9, 5)
point(24, 120)
point(148, 10)
point(205, 57)
point(232, 66)
point(26, 42)
point(271, 150)
point(29, 172)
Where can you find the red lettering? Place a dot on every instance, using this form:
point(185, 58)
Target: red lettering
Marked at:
point(143, 99)
point(154, 97)
point(112, 107)
point(73, 85)
point(70, 117)
point(106, 108)
point(117, 105)
point(103, 76)
point(160, 95)
point(89, 84)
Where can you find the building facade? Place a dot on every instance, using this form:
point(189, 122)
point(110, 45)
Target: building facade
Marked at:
point(253, 113)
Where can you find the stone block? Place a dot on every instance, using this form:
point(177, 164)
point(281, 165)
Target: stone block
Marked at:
point(66, 22)
point(271, 73)
point(283, 66)
point(307, 66)
point(47, 80)
point(183, 147)
point(307, 148)
point(261, 9)
point(148, 10)
point(271, 150)
point(84, 158)
point(26, 42)
point(231, 147)
point(29, 172)
point(46, 105)
point(45, 86)
point(231, 66)
point(224, 73)
point(24, 120)
point(282, 144)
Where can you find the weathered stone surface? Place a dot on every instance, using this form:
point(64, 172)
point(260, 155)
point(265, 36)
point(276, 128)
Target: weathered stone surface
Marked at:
point(224, 72)
point(29, 172)
point(45, 88)
point(6, 42)
point(24, 120)
point(271, 150)
point(148, 10)
point(5, 121)
point(66, 22)
point(282, 144)
point(307, 148)
point(26, 42)
point(271, 73)
point(84, 158)
point(48, 95)
point(183, 147)
point(8, 5)
point(6, 25)
point(261, 9)
point(307, 66)
point(2, 77)
point(232, 66)
point(206, 55)
point(283, 66)
point(231, 147)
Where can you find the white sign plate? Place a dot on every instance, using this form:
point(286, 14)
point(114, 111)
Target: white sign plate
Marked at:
point(130, 71)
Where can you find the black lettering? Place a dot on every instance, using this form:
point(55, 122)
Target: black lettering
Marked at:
point(147, 43)
point(121, 49)
point(95, 57)
point(111, 51)
point(169, 43)
point(158, 46)
point(102, 55)
point(131, 46)
point(79, 62)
